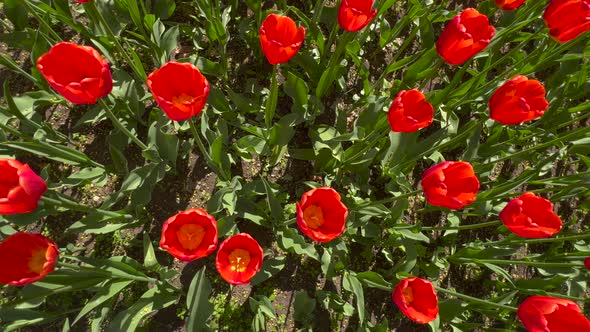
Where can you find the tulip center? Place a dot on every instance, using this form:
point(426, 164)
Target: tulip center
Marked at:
point(38, 260)
point(408, 295)
point(313, 216)
point(239, 259)
point(190, 236)
point(183, 99)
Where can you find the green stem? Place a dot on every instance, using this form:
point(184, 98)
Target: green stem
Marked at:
point(271, 103)
point(117, 123)
point(474, 299)
point(463, 227)
point(516, 262)
point(204, 151)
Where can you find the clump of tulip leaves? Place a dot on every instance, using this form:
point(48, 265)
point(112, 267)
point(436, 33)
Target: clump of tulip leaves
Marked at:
point(270, 134)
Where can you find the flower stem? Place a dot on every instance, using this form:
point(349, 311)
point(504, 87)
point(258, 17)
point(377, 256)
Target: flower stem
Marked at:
point(474, 299)
point(117, 123)
point(204, 151)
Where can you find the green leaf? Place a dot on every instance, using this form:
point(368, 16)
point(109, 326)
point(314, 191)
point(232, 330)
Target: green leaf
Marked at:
point(105, 293)
point(197, 302)
point(291, 240)
point(154, 299)
point(352, 284)
point(270, 267)
point(375, 280)
point(304, 307)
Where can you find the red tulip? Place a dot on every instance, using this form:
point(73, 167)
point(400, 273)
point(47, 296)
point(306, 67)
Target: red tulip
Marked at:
point(180, 90)
point(280, 38)
point(189, 235)
point(587, 263)
point(530, 216)
point(321, 215)
point(26, 258)
point(464, 36)
point(239, 258)
point(551, 314)
point(353, 15)
point(83, 1)
point(517, 101)
point(417, 299)
point(409, 112)
point(79, 73)
point(20, 187)
point(509, 4)
point(567, 19)
point(451, 184)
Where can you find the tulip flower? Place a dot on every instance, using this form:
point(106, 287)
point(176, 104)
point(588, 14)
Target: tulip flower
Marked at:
point(517, 101)
point(239, 258)
point(509, 4)
point(180, 90)
point(587, 263)
point(353, 15)
point(567, 19)
point(451, 184)
point(79, 73)
point(464, 36)
point(189, 235)
point(409, 112)
point(26, 258)
point(321, 215)
point(417, 299)
point(20, 187)
point(280, 38)
point(531, 216)
point(551, 314)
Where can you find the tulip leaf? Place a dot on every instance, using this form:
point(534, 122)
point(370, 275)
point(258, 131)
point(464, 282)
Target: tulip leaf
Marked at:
point(154, 299)
point(292, 241)
point(351, 283)
point(197, 302)
point(270, 267)
point(105, 293)
point(271, 101)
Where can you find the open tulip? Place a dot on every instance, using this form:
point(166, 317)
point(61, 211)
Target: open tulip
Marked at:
point(20, 187)
point(321, 215)
point(464, 36)
point(517, 101)
point(239, 258)
point(79, 73)
point(530, 216)
point(26, 258)
point(353, 15)
point(567, 19)
point(452, 184)
point(551, 314)
point(417, 299)
point(409, 112)
point(280, 38)
point(509, 4)
point(189, 235)
point(180, 89)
